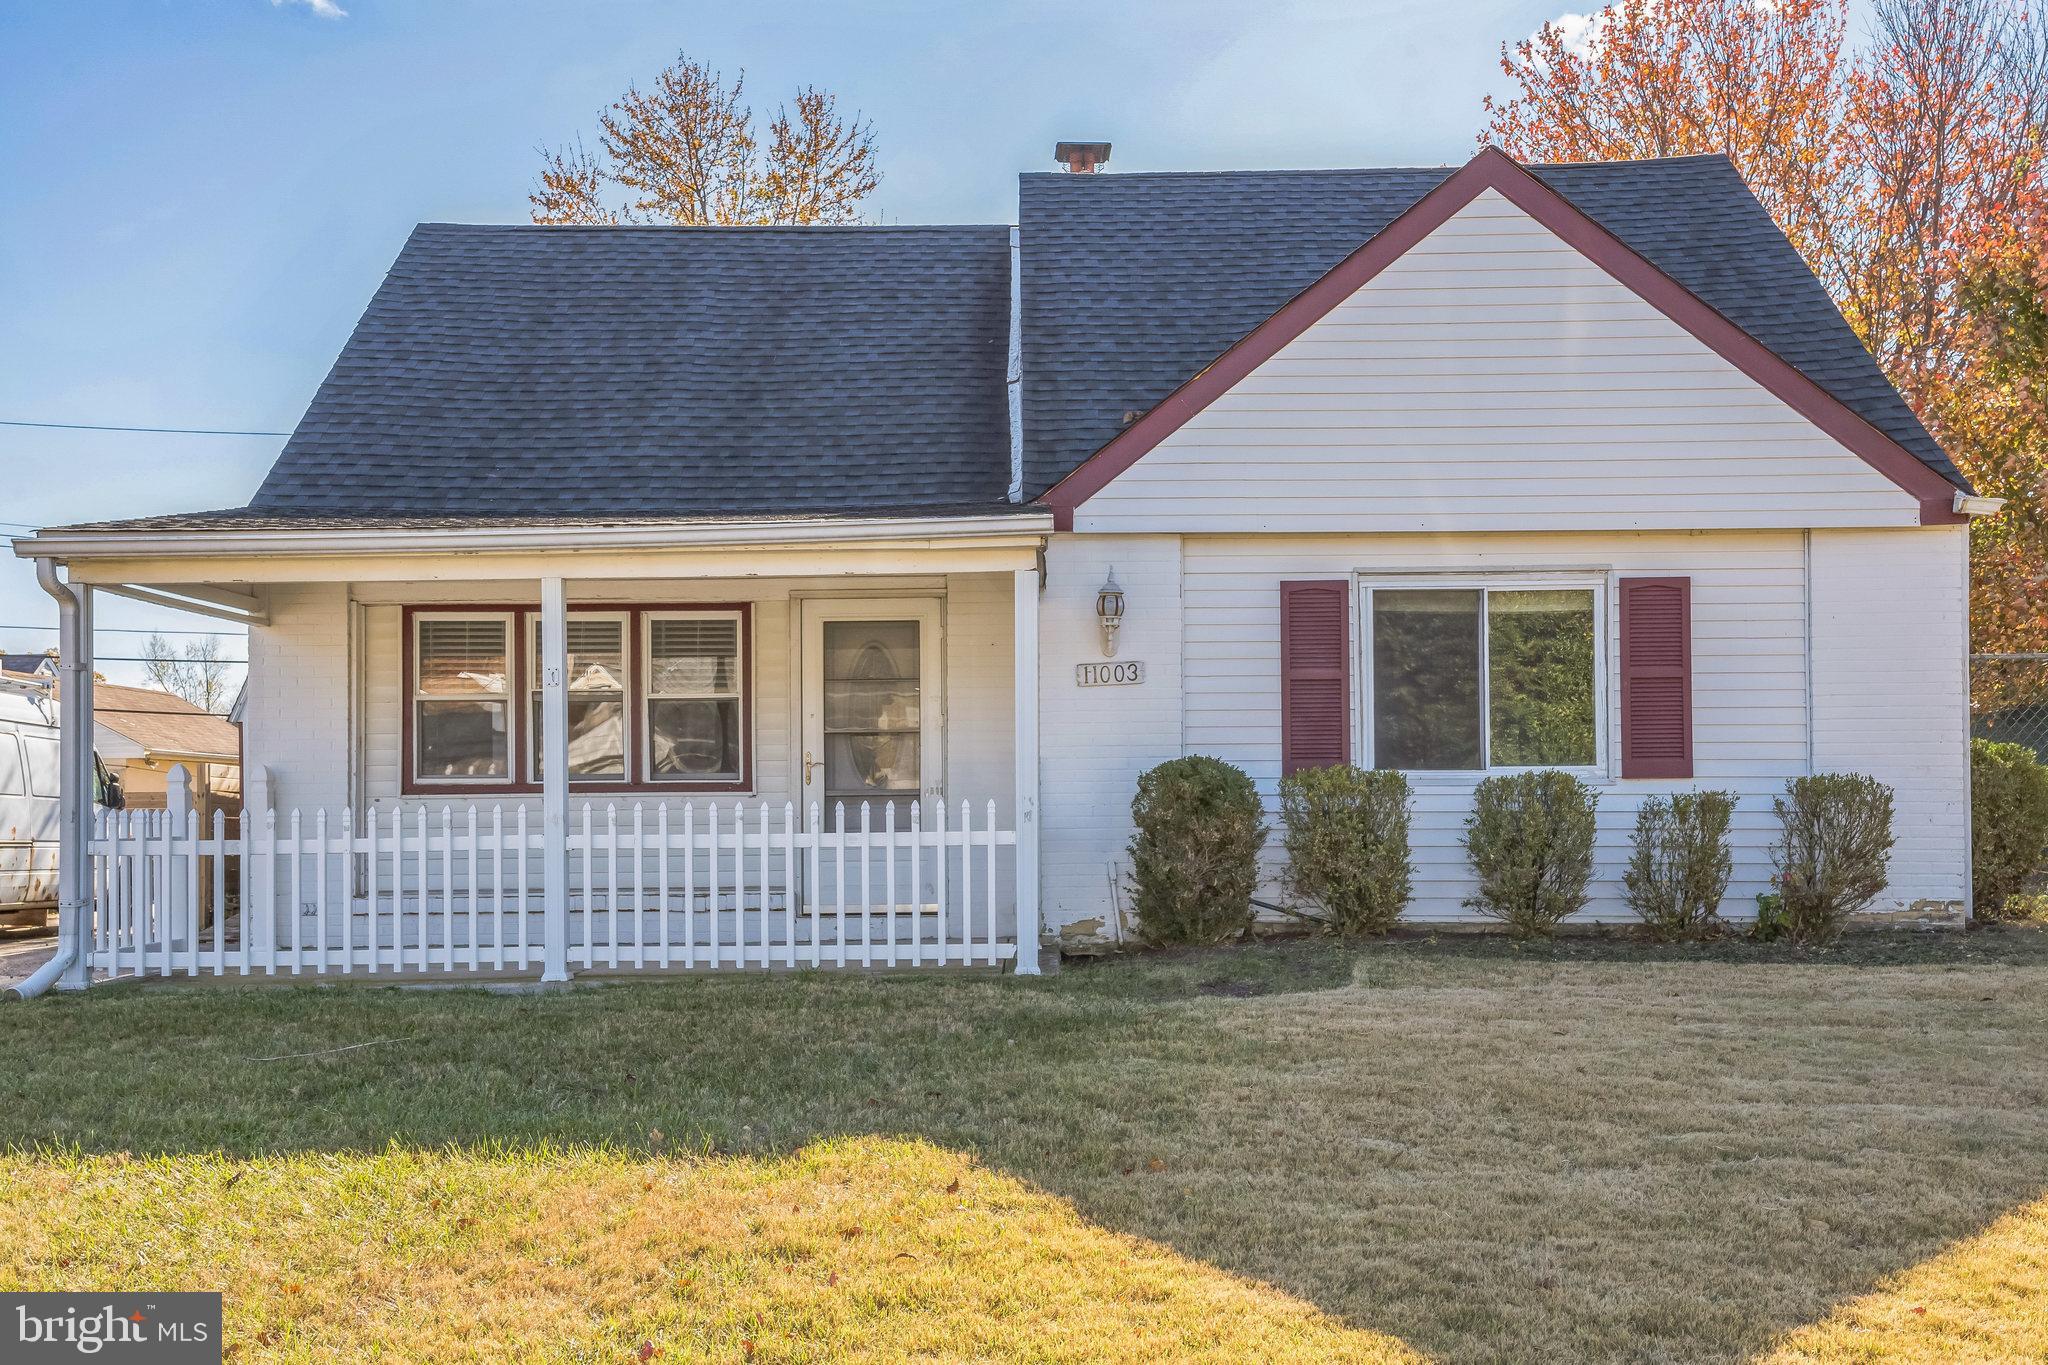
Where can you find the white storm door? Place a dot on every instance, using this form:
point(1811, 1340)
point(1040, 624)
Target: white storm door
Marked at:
point(873, 716)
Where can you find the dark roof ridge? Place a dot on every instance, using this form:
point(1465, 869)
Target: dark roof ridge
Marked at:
point(1109, 177)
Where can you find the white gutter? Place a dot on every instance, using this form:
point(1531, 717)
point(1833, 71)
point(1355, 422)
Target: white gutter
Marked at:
point(67, 963)
point(1967, 506)
point(341, 540)
point(156, 756)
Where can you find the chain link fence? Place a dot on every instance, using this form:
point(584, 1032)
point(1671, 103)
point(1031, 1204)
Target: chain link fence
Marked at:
point(2009, 699)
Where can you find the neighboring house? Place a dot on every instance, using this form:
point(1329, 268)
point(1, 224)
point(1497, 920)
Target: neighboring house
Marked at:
point(142, 733)
point(29, 665)
point(608, 563)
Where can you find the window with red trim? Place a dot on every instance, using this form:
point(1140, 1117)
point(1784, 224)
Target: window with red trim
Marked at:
point(1467, 674)
point(599, 673)
point(461, 692)
point(695, 706)
point(657, 699)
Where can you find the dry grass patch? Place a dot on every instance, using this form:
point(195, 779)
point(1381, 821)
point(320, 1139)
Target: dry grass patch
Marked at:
point(858, 1249)
point(1985, 1299)
point(1583, 1151)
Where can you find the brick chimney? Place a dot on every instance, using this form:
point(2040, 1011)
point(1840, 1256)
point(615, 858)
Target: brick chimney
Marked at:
point(1081, 158)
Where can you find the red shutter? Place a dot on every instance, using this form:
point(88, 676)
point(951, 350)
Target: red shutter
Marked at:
point(1315, 674)
point(1656, 677)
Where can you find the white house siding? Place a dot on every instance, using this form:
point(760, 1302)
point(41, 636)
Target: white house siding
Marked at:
point(1493, 379)
point(1095, 741)
point(1891, 688)
point(1749, 677)
point(295, 719)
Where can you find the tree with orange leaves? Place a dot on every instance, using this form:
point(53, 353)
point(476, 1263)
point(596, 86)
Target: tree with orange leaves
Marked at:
point(1908, 172)
point(685, 151)
point(1763, 84)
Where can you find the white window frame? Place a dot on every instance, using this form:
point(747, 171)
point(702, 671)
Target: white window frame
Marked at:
point(1365, 585)
point(529, 743)
point(413, 698)
point(742, 678)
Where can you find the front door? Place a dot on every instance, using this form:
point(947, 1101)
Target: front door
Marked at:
point(873, 722)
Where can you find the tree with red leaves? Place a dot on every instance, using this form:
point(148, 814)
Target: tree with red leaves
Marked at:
point(1907, 170)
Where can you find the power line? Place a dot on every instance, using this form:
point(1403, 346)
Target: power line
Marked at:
point(160, 659)
point(158, 431)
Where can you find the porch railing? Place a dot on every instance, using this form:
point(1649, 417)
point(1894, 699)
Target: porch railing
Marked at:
point(699, 886)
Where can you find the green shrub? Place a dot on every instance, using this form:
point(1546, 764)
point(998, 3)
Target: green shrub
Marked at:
point(1530, 839)
point(1194, 859)
point(1770, 917)
point(1833, 854)
point(1679, 867)
point(2008, 822)
point(1347, 845)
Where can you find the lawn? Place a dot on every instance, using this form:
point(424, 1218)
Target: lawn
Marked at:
point(1450, 1149)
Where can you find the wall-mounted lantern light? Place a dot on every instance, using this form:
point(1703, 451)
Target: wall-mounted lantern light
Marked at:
point(1109, 609)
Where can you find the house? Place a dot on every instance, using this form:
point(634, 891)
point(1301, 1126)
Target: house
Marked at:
point(29, 665)
point(141, 733)
point(640, 598)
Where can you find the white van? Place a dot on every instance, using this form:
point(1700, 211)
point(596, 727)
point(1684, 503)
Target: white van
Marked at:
point(29, 773)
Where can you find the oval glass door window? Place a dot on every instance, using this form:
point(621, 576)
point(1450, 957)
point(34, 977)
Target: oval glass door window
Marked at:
point(873, 716)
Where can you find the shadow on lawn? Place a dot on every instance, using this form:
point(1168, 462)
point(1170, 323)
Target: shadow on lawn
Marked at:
point(1488, 1154)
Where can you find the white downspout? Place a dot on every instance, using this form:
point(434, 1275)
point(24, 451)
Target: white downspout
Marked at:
point(1013, 378)
point(68, 962)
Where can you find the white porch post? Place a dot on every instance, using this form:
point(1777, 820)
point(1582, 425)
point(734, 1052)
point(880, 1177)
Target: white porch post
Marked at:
point(259, 872)
point(1025, 705)
point(554, 777)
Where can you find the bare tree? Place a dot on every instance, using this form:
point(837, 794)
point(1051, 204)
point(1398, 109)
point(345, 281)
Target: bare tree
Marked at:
point(684, 151)
point(197, 672)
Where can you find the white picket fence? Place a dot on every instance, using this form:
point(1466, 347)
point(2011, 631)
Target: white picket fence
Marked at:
point(419, 892)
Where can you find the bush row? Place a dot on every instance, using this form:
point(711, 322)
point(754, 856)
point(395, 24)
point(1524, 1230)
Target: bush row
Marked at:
point(1529, 838)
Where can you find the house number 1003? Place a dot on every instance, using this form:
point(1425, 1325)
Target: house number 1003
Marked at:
point(1119, 674)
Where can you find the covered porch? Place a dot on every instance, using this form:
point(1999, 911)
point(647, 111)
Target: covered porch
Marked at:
point(557, 750)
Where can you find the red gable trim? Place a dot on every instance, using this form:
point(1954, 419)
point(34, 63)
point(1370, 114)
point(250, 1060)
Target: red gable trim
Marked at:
point(1495, 170)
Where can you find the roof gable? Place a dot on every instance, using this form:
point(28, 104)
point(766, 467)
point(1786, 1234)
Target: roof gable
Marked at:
point(1168, 285)
point(1494, 378)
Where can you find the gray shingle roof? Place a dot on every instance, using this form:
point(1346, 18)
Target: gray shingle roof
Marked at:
point(589, 374)
point(682, 372)
point(1134, 283)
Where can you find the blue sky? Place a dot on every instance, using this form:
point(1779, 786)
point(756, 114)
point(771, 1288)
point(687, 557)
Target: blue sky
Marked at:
point(201, 195)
